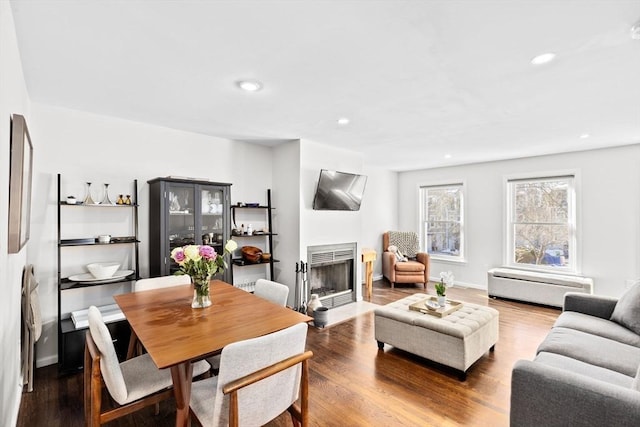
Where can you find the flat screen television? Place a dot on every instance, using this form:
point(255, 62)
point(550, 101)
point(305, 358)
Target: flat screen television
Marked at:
point(339, 191)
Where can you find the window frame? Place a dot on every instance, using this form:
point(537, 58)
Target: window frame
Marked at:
point(573, 221)
point(423, 218)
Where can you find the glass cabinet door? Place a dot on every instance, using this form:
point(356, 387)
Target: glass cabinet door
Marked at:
point(212, 208)
point(182, 219)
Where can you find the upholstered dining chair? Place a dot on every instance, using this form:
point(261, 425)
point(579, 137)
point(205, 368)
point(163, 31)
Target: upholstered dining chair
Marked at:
point(259, 379)
point(134, 384)
point(135, 348)
point(404, 263)
point(272, 291)
point(161, 282)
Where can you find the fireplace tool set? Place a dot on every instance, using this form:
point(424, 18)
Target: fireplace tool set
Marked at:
point(302, 291)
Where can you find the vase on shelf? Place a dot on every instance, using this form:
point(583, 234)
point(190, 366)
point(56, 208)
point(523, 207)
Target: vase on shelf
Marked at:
point(106, 200)
point(201, 296)
point(88, 200)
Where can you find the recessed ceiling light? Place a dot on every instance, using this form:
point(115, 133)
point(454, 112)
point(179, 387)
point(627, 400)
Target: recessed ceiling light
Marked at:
point(447, 156)
point(249, 85)
point(343, 121)
point(584, 136)
point(543, 59)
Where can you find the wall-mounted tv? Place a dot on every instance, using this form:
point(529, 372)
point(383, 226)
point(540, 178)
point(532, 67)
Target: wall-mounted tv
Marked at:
point(339, 191)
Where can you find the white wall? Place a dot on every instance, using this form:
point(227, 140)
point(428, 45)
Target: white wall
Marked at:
point(88, 147)
point(327, 227)
point(608, 207)
point(286, 199)
point(13, 99)
point(379, 211)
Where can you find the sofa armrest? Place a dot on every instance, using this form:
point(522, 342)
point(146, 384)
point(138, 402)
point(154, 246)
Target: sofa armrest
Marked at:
point(593, 305)
point(423, 258)
point(543, 395)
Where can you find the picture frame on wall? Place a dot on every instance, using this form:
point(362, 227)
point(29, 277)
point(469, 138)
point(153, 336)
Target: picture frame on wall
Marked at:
point(20, 178)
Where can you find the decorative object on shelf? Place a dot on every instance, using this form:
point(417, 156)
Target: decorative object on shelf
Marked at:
point(249, 230)
point(104, 238)
point(314, 303)
point(71, 200)
point(266, 256)
point(128, 201)
point(446, 280)
point(120, 200)
point(251, 254)
point(106, 200)
point(103, 270)
point(88, 200)
point(201, 262)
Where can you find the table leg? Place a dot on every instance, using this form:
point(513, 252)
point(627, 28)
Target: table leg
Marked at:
point(369, 275)
point(182, 375)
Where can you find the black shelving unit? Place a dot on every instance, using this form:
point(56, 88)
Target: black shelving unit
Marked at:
point(268, 208)
point(70, 338)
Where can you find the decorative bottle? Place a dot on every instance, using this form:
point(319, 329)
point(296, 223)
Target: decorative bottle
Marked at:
point(314, 303)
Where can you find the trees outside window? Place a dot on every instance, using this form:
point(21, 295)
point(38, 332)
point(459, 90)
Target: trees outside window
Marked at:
point(442, 221)
point(542, 223)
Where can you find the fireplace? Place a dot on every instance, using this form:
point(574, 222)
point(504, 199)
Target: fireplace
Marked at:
point(332, 273)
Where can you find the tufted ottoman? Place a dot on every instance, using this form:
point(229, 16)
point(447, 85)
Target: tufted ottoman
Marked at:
point(456, 340)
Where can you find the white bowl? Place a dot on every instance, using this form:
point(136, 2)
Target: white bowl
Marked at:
point(103, 270)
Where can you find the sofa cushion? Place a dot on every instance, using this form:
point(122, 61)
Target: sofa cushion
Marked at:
point(597, 326)
point(592, 349)
point(627, 311)
point(596, 372)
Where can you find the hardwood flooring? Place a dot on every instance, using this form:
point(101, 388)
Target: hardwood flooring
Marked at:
point(352, 382)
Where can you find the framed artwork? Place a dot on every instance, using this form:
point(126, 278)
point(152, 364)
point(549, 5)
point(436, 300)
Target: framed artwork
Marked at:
point(20, 172)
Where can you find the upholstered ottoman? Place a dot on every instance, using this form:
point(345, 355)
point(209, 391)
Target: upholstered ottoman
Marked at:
point(456, 340)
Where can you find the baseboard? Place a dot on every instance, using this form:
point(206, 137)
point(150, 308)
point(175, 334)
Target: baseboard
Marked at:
point(46, 361)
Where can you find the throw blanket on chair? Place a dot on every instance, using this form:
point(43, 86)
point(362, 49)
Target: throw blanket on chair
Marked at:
point(406, 241)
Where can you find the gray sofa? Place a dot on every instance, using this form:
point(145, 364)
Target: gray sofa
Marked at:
point(587, 370)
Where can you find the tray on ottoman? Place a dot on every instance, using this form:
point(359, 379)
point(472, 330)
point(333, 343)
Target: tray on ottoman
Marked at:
point(449, 307)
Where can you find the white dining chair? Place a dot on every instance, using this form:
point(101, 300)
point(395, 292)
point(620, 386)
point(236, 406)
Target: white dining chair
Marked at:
point(272, 291)
point(134, 384)
point(161, 282)
point(259, 379)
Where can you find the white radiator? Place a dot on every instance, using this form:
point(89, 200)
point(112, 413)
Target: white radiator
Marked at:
point(531, 286)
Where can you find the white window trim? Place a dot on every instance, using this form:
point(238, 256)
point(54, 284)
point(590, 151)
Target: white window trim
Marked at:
point(576, 205)
point(460, 259)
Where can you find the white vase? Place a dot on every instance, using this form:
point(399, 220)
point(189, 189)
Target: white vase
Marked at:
point(314, 303)
point(442, 300)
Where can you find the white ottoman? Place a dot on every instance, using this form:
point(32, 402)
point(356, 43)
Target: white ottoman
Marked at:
point(456, 340)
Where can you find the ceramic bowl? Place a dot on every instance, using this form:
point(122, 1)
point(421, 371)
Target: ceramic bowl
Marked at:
point(103, 270)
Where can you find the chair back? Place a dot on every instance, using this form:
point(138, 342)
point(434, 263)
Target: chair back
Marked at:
point(264, 400)
point(272, 291)
point(406, 242)
point(161, 282)
point(109, 364)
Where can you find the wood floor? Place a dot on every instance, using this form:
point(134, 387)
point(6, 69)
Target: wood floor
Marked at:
point(353, 383)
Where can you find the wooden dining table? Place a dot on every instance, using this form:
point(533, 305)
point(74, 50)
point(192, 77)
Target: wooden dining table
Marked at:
point(175, 335)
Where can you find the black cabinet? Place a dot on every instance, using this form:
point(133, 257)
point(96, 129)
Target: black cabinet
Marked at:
point(241, 216)
point(77, 240)
point(186, 212)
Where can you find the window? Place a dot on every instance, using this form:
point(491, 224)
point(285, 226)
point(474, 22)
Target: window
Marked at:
point(442, 221)
point(542, 223)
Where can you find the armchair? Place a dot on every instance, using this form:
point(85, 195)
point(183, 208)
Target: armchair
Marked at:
point(414, 270)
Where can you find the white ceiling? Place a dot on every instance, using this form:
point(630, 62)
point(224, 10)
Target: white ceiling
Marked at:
point(418, 79)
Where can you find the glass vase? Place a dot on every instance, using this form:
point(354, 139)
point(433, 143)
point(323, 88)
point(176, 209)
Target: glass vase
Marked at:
point(106, 200)
point(201, 296)
point(88, 200)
